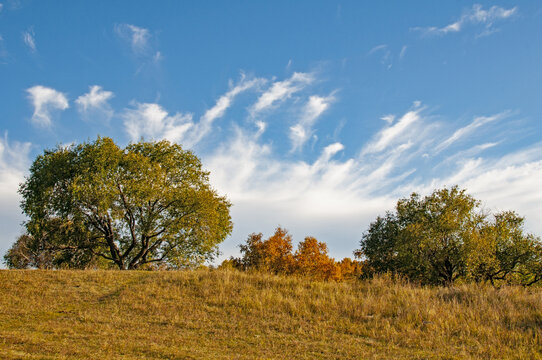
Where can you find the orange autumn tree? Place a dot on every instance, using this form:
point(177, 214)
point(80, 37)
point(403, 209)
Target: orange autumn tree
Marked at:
point(311, 259)
point(275, 255)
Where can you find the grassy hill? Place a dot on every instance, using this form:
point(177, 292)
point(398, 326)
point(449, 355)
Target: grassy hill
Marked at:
point(231, 315)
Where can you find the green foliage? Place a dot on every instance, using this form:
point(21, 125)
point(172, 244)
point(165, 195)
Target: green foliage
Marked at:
point(149, 203)
point(444, 237)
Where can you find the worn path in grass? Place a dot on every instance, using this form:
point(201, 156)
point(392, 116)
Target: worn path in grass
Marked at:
point(231, 315)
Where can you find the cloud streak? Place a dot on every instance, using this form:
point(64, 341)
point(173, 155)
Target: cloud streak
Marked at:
point(139, 40)
point(476, 15)
point(136, 36)
point(151, 121)
point(402, 130)
point(280, 91)
point(313, 109)
point(29, 39)
point(470, 128)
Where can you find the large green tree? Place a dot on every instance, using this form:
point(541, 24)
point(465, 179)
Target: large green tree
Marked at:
point(149, 203)
point(445, 236)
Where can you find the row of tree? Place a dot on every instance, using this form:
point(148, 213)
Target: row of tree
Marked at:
point(275, 254)
point(150, 205)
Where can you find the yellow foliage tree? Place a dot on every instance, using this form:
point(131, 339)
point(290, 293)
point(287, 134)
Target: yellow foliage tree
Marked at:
point(349, 268)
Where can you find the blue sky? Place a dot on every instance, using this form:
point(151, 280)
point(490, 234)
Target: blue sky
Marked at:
point(316, 116)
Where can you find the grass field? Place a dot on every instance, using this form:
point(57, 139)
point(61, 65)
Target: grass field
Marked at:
point(219, 314)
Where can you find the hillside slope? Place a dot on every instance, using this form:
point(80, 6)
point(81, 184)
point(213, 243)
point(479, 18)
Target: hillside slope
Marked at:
point(231, 315)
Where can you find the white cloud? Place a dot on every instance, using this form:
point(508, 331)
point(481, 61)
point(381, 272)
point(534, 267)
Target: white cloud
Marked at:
point(14, 162)
point(302, 131)
point(29, 39)
point(142, 46)
point(474, 16)
point(45, 100)
point(222, 104)
point(401, 131)
point(151, 121)
point(467, 130)
point(279, 91)
point(1, 7)
point(95, 102)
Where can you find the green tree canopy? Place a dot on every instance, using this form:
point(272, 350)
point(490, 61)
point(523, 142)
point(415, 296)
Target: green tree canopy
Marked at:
point(149, 203)
point(445, 236)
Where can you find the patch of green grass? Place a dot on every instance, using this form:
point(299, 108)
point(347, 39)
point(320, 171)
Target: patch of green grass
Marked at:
point(220, 314)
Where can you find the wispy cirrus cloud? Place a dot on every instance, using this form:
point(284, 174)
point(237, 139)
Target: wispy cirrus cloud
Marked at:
point(151, 121)
point(29, 38)
point(280, 91)
point(385, 55)
point(470, 128)
point(45, 101)
point(475, 16)
point(405, 128)
point(377, 48)
point(403, 52)
point(313, 109)
point(95, 103)
point(139, 39)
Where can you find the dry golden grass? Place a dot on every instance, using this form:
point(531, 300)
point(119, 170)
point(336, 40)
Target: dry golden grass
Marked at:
point(225, 314)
